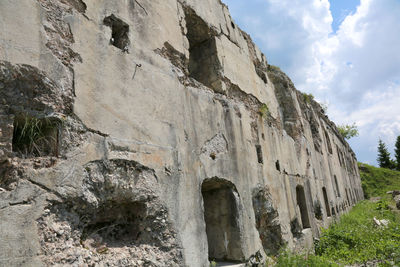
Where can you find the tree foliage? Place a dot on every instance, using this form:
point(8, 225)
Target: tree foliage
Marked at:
point(348, 131)
point(384, 156)
point(397, 153)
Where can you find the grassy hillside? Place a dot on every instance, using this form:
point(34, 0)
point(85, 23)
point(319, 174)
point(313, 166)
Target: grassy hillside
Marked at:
point(377, 181)
point(355, 239)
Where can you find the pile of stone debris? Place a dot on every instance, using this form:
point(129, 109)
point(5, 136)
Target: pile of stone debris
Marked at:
point(396, 197)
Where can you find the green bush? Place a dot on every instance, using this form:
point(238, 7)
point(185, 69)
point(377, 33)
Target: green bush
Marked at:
point(264, 110)
point(348, 131)
point(273, 68)
point(307, 97)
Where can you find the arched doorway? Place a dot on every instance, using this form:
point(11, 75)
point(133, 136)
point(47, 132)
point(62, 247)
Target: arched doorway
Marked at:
point(221, 215)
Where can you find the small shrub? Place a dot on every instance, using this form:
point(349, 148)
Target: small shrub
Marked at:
point(308, 98)
point(273, 68)
point(348, 131)
point(264, 110)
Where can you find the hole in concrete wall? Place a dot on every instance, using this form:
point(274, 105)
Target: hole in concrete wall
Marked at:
point(328, 142)
point(267, 221)
point(301, 202)
point(347, 196)
point(36, 137)
point(221, 216)
point(119, 32)
point(204, 65)
point(328, 211)
point(333, 211)
point(77, 4)
point(317, 210)
point(259, 154)
point(277, 165)
point(295, 228)
point(116, 223)
point(337, 186)
point(262, 75)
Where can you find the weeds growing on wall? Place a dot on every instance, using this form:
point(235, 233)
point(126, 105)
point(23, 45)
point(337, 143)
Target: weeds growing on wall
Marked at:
point(307, 98)
point(273, 68)
point(264, 110)
point(35, 136)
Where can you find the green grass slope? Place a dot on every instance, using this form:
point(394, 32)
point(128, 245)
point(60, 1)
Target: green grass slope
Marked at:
point(377, 181)
point(354, 239)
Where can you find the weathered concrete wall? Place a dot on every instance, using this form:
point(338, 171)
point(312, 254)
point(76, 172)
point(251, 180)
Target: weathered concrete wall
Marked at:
point(149, 99)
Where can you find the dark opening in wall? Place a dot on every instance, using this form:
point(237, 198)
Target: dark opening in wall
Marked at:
point(328, 211)
point(36, 137)
point(333, 211)
point(77, 4)
point(267, 221)
point(337, 186)
point(221, 215)
point(317, 210)
point(259, 154)
point(117, 225)
point(204, 65)
point(277, 166)
point(301, 202)
point(348, 199)
point(328, 142)
point(262, 75)
point(119, 32)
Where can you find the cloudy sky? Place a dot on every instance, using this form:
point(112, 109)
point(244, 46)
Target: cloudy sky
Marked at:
point(345, 52)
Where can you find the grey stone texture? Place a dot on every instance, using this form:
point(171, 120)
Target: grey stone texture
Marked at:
point(172, 142)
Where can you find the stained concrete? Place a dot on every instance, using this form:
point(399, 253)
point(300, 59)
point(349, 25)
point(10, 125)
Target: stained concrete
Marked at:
point(151, 109)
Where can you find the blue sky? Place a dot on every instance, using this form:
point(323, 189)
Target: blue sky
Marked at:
point(344, 52)
point(340, 9)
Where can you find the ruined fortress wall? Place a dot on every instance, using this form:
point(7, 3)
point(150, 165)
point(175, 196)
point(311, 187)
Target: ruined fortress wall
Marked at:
point(163, 138)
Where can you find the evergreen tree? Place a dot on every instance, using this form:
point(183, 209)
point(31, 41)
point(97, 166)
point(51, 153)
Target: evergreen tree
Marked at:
point(383, 156)
point(397, 153)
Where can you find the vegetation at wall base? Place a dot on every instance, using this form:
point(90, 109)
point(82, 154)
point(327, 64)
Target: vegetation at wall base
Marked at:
point(354, 239)
point(287, 258)
point(377, 181)
point(357, 239)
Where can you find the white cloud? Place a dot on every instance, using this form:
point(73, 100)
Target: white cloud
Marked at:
point(356, 70)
